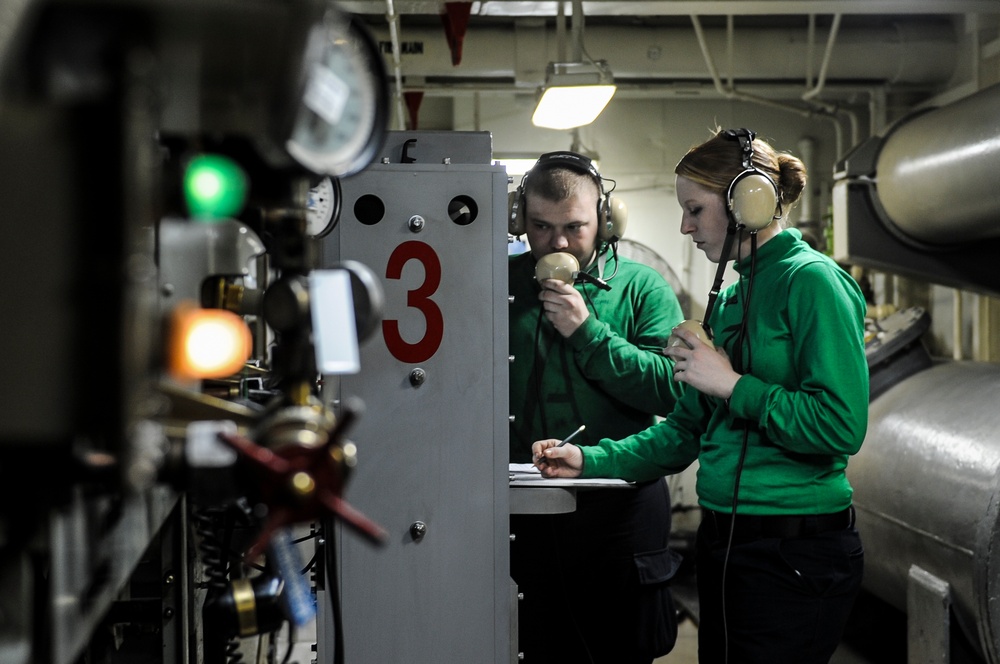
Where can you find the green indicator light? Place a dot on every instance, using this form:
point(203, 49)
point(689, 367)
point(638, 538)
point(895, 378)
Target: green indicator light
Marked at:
point(214, 187)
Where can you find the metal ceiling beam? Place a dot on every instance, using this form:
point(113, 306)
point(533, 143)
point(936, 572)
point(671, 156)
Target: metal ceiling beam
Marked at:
point(516, 8)
point(916, 54)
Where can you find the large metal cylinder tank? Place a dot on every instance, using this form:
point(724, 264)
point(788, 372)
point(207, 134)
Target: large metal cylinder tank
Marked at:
point(949, 155)
point(927, 492)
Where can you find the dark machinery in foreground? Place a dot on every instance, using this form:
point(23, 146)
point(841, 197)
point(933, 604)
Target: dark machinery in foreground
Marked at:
point(165, 170)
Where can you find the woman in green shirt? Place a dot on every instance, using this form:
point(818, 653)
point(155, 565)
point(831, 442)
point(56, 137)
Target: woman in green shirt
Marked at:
point(771, 420)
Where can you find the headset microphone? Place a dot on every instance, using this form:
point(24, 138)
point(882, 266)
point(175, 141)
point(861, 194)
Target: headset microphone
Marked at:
point(579, 276)
point(558, 265)
point(565, 268)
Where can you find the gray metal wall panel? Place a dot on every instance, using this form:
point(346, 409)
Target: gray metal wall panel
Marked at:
point(436, 453)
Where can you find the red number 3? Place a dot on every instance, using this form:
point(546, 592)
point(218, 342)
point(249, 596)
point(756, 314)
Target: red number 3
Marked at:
point(418, 298)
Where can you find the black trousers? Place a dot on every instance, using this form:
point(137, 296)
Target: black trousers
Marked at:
point(596, 581)
point(785, 600)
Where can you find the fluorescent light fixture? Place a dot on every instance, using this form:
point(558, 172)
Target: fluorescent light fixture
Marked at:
point(574, 95)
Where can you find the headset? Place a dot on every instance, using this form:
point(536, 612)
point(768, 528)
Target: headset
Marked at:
point(752, 198)
point(752, 203)
point(612, 213)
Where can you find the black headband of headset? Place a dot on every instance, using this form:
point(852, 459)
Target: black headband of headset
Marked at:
point(745, 137)
point(571, 160)
point(575, 162)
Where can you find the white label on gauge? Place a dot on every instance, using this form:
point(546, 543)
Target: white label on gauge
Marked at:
point(334, 332)
point(326, 94)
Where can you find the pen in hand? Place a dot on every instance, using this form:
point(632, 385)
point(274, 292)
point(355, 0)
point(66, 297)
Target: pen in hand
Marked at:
point(541, 458)
point(571, 436)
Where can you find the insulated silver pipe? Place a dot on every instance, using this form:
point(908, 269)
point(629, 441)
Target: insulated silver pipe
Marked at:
point(927, 492)
point(936, 174)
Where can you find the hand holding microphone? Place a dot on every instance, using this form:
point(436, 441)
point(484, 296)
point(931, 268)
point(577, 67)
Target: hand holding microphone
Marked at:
point(693, 327)
point(558, 265)
point(698, 362)
point(564, 267)
point(562, 304)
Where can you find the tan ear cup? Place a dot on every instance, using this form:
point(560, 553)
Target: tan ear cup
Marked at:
point(690, 325)
point(515, 212)
point(614, 220)
point(559, 265)
point(753, 201)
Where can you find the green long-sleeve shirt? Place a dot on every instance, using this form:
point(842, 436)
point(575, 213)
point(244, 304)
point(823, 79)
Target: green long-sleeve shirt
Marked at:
point(610, 374)
point(803, 402)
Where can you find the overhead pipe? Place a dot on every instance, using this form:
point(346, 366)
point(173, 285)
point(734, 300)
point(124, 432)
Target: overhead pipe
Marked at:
point(521, 9)
point(810, 41)
point(821, 80)
point(923, 54)
point(561, 32)
point(731, 49)
point(576, 30)
point(393, 20)
point(812, 109)
point(731, 92)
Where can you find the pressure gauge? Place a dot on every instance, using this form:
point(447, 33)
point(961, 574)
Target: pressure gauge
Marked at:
point(341, 121)
point(323, 207)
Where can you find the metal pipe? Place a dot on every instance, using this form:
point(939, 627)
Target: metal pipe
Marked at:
point(703, 7)
point(927, 491)
point(811, 40)
point(731, 49)
point(576, 30)
point(393, 20)
point(561, 32)
point(807, 206)
point(811, 94)
point(926, 55)
point(812, 109)
point(936, 173)
point(827, 55)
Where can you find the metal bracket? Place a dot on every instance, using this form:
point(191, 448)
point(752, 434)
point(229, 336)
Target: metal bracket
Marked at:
point(928, 614)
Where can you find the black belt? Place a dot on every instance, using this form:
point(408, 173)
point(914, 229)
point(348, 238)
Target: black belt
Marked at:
point(750, 527)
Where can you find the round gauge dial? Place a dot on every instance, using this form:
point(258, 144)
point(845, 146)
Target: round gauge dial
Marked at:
point(321, 207)
point(341, 120)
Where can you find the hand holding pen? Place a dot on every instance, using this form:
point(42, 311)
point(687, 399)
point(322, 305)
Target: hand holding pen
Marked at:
point(537, 456)
point(554, 459)
point(571, 436)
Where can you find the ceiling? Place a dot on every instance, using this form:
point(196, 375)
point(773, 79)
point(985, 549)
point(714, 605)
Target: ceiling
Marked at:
point(663, 47)
point(664, 8)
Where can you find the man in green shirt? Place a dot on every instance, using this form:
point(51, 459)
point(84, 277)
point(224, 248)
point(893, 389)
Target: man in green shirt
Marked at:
point(589, 353)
